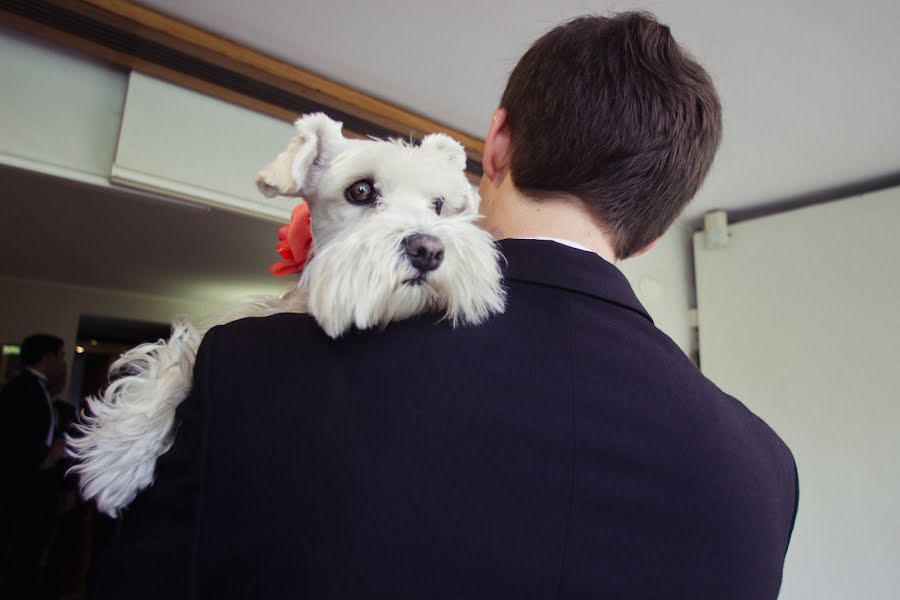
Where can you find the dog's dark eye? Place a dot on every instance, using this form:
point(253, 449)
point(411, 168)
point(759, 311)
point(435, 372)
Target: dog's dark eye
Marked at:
point(438, 204)
point(361, 192)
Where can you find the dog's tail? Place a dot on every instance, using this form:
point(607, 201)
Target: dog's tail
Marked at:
point(130, 424)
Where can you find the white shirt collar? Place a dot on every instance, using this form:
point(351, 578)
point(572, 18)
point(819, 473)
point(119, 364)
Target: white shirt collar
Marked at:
point(48, 438)
point(565, 242)
point(38, 374)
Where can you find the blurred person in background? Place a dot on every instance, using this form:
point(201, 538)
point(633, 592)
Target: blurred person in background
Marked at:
point(30, 453)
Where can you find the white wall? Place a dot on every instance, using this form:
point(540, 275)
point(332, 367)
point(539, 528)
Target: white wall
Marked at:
point(60, 111)
point(185, 144)
point(663, 282)
point(70, 116)
point(800, 320)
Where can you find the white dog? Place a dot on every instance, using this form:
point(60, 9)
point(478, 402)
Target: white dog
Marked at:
point(394, 235)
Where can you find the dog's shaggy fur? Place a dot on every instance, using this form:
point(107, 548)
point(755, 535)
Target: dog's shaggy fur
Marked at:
point(359, 274)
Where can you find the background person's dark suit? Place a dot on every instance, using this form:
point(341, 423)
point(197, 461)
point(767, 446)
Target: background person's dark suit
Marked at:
point(29, 492)
point(566, 449)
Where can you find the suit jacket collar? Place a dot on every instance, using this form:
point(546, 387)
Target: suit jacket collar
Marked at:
point(556, 265)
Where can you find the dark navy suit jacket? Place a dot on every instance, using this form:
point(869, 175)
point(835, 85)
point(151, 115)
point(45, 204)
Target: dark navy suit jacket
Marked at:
point(565, 449)
point(26, 410)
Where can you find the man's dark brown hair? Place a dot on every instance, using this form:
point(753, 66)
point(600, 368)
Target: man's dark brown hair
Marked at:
point(612, 111)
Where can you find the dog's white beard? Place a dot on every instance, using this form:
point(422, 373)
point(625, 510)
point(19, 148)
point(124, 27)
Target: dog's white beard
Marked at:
point(358, 277)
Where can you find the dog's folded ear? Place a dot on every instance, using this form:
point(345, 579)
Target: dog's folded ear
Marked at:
point(317, 137)
point(446, 146)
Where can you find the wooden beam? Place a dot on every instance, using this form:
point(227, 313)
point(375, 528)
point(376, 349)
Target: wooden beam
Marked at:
point(142, 39)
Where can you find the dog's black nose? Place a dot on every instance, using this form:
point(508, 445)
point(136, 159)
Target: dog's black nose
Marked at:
point(425, 252)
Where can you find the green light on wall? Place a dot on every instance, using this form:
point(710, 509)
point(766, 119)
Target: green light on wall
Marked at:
point(11, 350)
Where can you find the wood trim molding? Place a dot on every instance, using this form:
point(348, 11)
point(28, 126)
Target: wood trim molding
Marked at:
point(142, 39)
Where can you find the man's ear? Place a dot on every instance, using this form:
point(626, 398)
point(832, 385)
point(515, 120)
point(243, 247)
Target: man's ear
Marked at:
point(317, 136)
point(447, 147)
point(497, 148)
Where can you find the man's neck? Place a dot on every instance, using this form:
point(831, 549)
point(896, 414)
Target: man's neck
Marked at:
point(509, 214)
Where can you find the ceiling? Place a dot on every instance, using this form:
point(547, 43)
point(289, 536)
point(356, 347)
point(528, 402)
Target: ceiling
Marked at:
point(810, 88)
point(67, 232)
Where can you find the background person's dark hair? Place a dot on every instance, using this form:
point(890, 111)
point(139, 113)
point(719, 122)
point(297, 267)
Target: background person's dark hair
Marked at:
point(612, 111)
point(37, 346)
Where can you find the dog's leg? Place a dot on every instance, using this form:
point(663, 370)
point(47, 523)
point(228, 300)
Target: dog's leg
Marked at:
point(128, 426)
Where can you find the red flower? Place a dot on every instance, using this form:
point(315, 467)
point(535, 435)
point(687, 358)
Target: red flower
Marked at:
point(294, 242)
